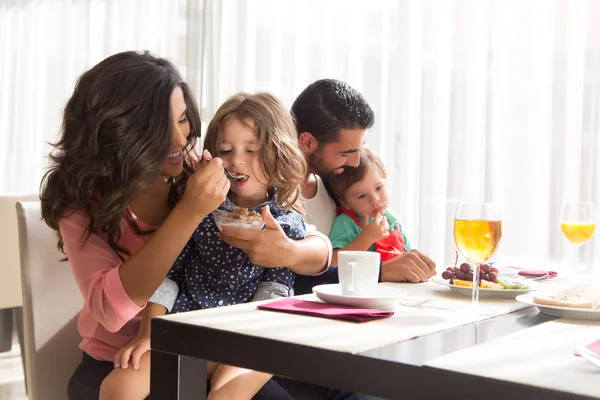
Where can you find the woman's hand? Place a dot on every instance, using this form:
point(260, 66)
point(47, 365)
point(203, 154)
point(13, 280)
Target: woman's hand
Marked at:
point(131, 353)
point(207, 188)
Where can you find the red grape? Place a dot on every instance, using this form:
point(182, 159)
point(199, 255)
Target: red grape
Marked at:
point(494, 270)
point(470, 276)
point(464, 267)
point(485, 268)
point(446, 274)
point(461, 275)
point(492, 276)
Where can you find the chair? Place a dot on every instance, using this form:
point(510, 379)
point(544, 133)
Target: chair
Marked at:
point(11, 298)
point(51, 306)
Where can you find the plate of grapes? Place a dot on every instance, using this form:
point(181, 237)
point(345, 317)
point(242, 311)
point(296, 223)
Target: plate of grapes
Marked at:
point(494, 282)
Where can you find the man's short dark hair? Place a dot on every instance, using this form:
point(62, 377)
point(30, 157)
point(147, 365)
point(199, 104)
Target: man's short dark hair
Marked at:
point(327, 106)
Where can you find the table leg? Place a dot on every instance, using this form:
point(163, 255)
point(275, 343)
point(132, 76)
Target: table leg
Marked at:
point(174, 377)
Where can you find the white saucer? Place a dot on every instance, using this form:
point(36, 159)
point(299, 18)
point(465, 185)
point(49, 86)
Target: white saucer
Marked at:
point(384, 298)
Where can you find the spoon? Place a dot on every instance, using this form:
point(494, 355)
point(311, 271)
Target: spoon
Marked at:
point(233, 176)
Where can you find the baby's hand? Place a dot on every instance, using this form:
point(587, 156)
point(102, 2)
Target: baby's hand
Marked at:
point(376, 229)
point(132, 353)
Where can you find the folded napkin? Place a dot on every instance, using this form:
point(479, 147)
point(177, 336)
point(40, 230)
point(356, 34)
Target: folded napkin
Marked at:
point(326, 310)
point(593, 347)
point(535, 273)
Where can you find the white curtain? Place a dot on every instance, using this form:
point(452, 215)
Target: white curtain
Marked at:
point(476, 100)
point(45, 45)
point(494, 100)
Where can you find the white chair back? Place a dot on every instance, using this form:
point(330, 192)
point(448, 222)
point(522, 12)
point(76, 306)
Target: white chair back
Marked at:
point(10, 275)
point(51, 306)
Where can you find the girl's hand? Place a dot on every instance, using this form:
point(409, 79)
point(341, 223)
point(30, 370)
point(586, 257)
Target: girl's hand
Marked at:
point(207, 188)
point(131, 353)
point(376, 229)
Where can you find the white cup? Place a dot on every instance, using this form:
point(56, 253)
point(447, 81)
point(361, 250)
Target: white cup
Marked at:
point(358, 272)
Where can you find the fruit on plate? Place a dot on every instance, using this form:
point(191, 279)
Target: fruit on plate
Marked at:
point(465, 272)
point(510, 283)
point(490, 285)
point(460, 282)
point(482, 284)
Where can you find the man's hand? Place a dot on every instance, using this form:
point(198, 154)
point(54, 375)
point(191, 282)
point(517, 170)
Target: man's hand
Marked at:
point(267, 248)
point(131, 354)
point(413, 266)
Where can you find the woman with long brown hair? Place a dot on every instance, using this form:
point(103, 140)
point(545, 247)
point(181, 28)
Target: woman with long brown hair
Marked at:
point(123, 196)
point(115, 195)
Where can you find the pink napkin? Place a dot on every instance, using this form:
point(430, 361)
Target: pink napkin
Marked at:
point(594, 347)
point(325, 310)
point(536, 273)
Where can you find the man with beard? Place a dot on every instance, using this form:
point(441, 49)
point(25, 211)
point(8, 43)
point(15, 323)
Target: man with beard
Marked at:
point(332, 120)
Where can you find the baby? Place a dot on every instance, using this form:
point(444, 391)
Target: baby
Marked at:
point(364, 222)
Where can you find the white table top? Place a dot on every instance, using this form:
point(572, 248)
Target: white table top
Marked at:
point(407, 322)
point(539, 356)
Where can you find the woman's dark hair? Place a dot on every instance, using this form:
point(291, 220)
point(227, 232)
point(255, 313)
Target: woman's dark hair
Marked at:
point(117, 131)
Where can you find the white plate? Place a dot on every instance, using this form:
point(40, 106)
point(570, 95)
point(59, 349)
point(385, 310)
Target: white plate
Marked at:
point(384, 298)
point(495, 293)
point(561, 312)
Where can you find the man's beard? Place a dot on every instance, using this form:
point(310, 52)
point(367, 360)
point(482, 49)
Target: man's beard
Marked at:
point(315, 163)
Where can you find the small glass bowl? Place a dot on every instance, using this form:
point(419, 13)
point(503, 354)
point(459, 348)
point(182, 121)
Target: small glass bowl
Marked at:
point(226, 218)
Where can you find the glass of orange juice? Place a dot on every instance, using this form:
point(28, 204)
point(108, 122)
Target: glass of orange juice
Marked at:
point(477, 234)
point(578, 223)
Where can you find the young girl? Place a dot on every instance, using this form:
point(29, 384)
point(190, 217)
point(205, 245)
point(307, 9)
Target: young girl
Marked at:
point(364, 222)
point(256, 139)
